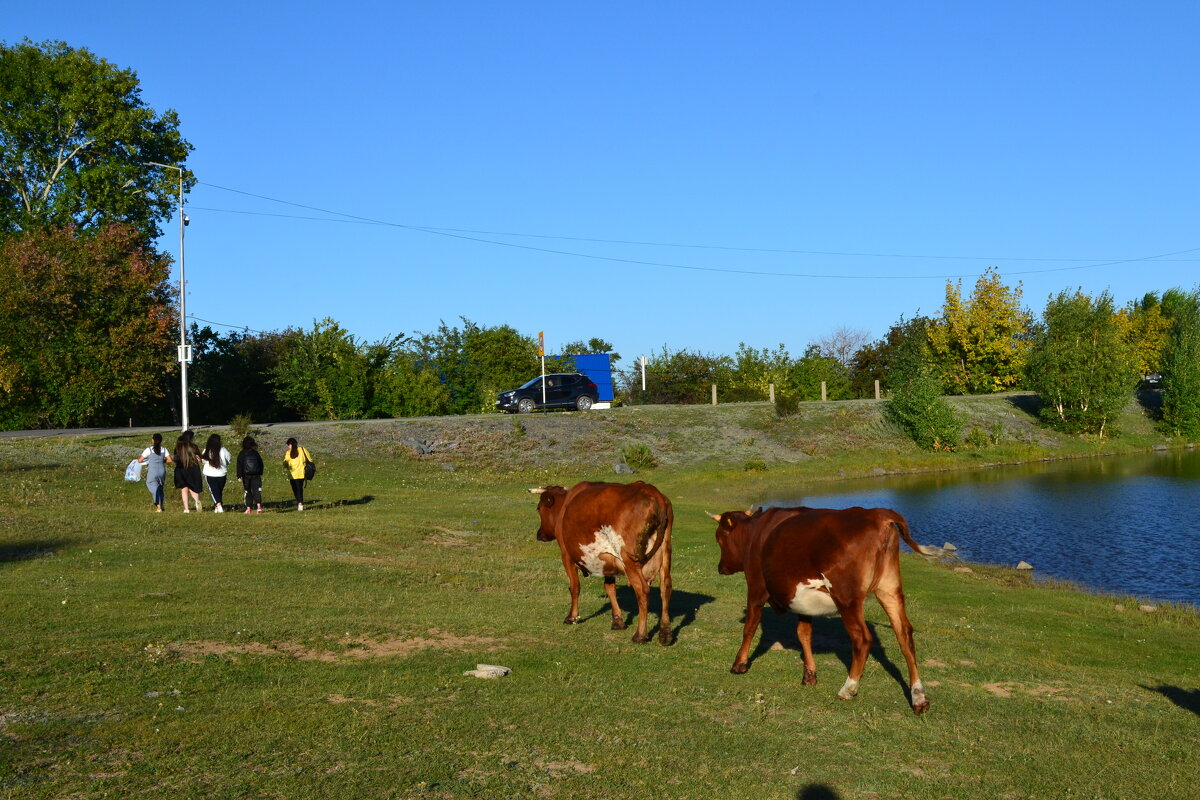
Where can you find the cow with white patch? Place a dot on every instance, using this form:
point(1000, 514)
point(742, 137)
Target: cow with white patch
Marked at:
point(610, 529)
point(821, 562)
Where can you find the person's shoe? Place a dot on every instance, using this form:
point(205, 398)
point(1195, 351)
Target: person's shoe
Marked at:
point(260, 509)
point(219, 509)
point(187, 511)
point(299, 506)
point(247, 509)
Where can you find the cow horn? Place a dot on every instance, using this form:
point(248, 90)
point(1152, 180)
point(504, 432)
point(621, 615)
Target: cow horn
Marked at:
point(537, 491)
point(717, 517)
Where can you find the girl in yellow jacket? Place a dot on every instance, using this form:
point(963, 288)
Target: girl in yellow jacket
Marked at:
point(294, 458)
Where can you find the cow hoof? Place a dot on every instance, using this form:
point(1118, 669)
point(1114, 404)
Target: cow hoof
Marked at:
point(921, 708)
point(571, 621)
point(810, 677)
point(640, 638)
point(740, 669)
point(618, 624)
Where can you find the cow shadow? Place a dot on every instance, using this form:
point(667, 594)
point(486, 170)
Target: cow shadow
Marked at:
point(829, 636)
point(684, 606)
point(817, 791)
point(1187, 699)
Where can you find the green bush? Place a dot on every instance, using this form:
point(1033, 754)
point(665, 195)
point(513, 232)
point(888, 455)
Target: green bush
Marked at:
point(241, 425)
point(917, 405)
point(976, 437)
point(786, 405)
point(755, 465)
point(638, 456)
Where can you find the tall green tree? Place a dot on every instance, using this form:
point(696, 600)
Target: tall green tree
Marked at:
point(680, 376)
point(592, 345)
point(1080, 364)
point(1181, 367)
point(231, 374)
point(917, 405)
point(86, 327)
point(980, 342)
point(1145, 328)
point(477, 362)
point(326, 373)
point(754, 370)
point(875, 361)
point(808, 373)
point(75, 140)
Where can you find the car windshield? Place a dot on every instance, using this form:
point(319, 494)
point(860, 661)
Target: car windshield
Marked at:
point(530, 383)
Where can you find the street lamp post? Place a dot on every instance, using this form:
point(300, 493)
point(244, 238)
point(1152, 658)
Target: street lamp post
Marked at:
point(183, 345)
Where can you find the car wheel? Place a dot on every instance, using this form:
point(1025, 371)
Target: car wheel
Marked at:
point(525, 406)
point(583, 403)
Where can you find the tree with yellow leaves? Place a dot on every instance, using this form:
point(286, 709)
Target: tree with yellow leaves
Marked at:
point(980, 343)
point(1145, 328)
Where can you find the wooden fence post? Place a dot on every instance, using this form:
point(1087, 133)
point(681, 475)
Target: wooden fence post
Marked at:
point(714, 390)
point(876, 388)
point(772, 386)
point(822, 391)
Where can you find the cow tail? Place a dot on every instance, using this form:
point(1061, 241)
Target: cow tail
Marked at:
point(902, 526)
point(661, 522)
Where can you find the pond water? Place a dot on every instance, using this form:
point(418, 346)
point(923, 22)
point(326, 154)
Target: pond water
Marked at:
point(1127, 525)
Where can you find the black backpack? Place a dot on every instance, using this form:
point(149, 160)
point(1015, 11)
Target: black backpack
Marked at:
point(252, 465)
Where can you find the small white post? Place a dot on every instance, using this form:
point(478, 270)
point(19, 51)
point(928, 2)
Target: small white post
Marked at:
point(772, 389)
point(714, 392)
point(822, 391)
point(876, 388)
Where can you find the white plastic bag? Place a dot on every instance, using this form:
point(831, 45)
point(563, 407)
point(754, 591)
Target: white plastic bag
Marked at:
point(133, 472)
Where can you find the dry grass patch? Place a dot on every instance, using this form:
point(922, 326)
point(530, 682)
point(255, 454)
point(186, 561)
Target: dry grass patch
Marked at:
point(350, 647)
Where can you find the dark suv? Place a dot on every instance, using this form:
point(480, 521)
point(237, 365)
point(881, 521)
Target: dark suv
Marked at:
point(563, 390)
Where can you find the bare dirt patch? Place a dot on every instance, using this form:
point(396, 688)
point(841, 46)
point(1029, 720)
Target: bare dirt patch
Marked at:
point(344, 648)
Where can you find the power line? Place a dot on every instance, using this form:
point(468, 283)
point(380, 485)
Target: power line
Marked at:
point(460, 234)
point(225, 324)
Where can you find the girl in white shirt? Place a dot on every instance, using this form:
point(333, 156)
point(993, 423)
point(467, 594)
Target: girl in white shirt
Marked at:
point(215, 463)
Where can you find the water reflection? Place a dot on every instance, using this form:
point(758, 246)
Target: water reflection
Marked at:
point(1125, 525)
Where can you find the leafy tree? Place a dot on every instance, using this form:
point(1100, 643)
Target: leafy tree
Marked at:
point(406, 388)
point(75, 139)
point(326, 373)
point(981, 343)
point(683, 376)
point(875, 361)
point(476, 363)
point(1080, 364)
point(593, 345)
point(1181, 368)
point(86, 327)
point(917, 405)
point(753, 371)
point(1144, 327)
point(805, 377)
point(232, 374)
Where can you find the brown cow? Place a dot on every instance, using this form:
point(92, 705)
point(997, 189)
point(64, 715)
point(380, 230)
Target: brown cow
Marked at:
point(821, 562)
point(609, 529)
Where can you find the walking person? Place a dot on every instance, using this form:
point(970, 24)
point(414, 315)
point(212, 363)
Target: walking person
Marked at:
point(156, 471)
point(295, 458)
point(250, 472)
point(215, 465)
point(188, 478)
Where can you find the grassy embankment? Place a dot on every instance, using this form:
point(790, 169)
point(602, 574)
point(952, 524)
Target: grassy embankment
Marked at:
point(321, 654)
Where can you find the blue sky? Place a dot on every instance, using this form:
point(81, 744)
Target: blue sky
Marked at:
point(813, 166)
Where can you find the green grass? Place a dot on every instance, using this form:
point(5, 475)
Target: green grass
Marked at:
point(321, 654)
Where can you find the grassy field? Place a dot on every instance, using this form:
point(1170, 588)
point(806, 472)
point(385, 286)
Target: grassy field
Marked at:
point(320, 654)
